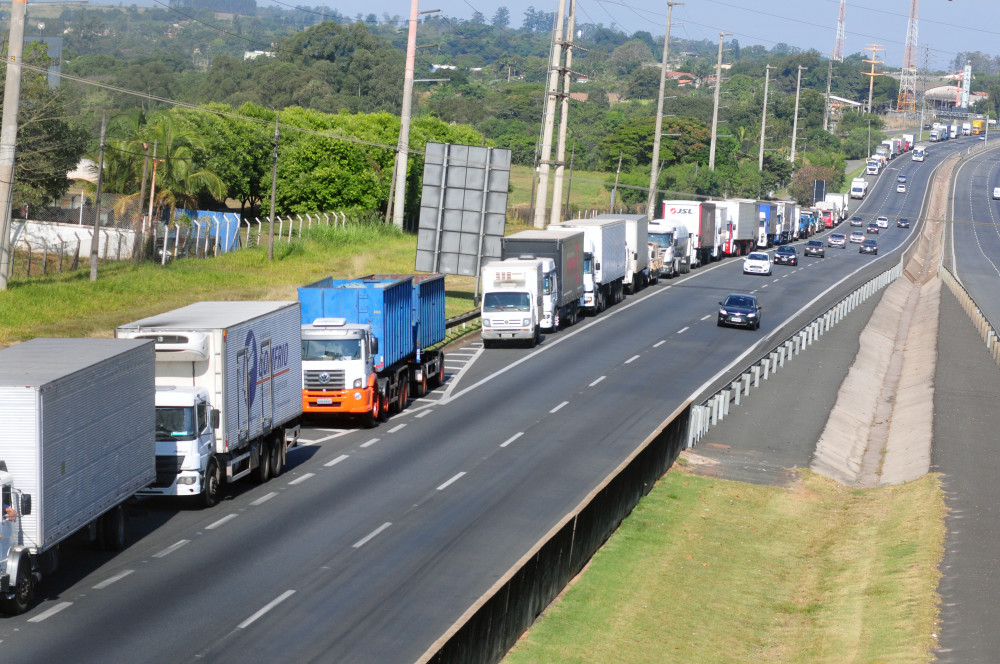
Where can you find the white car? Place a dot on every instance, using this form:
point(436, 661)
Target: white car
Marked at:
point(757, 262)
point(901, 188)
point(996, 193)
point(882, 222)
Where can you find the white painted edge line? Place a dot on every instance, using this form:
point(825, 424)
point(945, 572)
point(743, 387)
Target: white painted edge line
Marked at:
point(263, 499)
point(264, 609)
point(705, 317)
point(300, 480)
point(324, 438)
point(334, 462)
point(397, 428)
point(117, 577)
point(50, 612)
point(225, 519)
point(512, 439)
point(423, 413)
point(683, 329)
point(170, 549)
point(659, 343)
point(632, 359)
point(369, 443)
point(372, 535)
point(559, 407)
point(595, 382)
point(451, 481)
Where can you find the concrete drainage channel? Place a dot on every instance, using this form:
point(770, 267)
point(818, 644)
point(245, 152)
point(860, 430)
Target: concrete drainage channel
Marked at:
point(714, 409)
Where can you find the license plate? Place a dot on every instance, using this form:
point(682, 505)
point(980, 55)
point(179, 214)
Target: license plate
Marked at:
point(737, 319)
point(325, 401)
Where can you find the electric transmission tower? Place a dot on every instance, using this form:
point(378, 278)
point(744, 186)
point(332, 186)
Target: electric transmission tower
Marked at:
point(838, 46)
point(907, 101)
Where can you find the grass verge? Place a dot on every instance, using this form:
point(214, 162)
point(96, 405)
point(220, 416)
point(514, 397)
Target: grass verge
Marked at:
point(708, 570)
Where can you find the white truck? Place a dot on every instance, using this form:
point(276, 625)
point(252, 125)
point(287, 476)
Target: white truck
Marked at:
point(742, 228)
point(859, 187)
point(919, 152)
point(79, 420)
point(839, 202)
point(873, 166)
point(228, 393)
point(512, 307)
point(563, 290)
point(604, 261)
point(673, 241)
point(637, 260)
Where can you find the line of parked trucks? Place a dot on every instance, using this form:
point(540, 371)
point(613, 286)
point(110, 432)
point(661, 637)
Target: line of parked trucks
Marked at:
point(180, 403)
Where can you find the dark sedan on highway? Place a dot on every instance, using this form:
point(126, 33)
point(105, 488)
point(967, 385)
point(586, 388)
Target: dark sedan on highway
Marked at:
point(856, 220)
point(739, 309)
point(786, 255)
point(815, 248)
point(902, 222)
point(872, 228)
point(868, 247)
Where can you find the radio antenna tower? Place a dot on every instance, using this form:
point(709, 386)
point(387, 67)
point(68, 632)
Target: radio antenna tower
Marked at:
point(907, 101)
point(838, 46)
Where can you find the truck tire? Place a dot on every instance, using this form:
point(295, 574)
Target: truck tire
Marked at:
point(438, 379)
point(420, 386)
point(264, 462)
point(210, 490)
point(113, 529)
point(404, 395)
point(374, 416)
point(22, 587)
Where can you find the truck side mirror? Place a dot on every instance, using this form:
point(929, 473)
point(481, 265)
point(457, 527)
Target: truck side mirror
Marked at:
point(215, 418)
point(26, 504)
point(374, 345)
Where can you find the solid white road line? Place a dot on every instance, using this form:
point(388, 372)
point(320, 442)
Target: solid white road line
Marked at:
point(117, 577)
point(170, 549)
point(372, 535)
point(369, 443)
point(267, 607)
point(683, 329)
point(225, 519)
point(263, 499)
point(559, 407)
point(303, 441)
point(659, 343)
point(334, 462)
point(597, 381)
point(451, 481)
point(423, 413)
point(50, 612)
point(632, 359)
point(300, 480)
point(512, 439)
point(397, 428)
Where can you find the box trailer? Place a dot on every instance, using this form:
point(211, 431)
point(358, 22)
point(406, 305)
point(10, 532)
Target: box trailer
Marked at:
point(605, 260)
point(562, 296)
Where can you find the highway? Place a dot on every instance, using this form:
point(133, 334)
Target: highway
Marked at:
point(373, 542)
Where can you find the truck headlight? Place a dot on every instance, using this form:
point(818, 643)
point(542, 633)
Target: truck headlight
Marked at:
point(357, 384)
point(357, 396)
point(186, 480)
point(527, 322)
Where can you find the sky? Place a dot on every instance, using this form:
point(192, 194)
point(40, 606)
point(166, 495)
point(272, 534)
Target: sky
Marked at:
point(945, 27)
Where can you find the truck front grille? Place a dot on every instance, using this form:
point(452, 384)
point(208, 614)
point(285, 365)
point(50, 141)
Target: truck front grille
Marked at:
point(322, 379)
point(167, 469)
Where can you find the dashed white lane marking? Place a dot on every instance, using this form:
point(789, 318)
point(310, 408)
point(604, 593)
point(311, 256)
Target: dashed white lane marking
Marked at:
point(263, 499)
point(334, 462)
point(512, 439)
point(300, 480)
point(632, 359)
point(170, 549)
point(223, 520)
point(683, 329)
point(765, 286)
point(117, 577)
point(451, 481)
point(267, 607)
point(705, 317)
point(659, 343)
point(559, 407)
point(423, 413)
point(369, 443)
point(50, 612)
point(306, 441)
point(397, 428)
point(372, 535)
point(597, 381)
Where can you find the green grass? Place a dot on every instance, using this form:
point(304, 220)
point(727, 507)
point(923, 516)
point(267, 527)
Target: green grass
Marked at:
point(68, 304)
point(708, 570)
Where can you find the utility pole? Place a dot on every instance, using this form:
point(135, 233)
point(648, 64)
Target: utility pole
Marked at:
point(763, 118)
point(95, 241)
point(875, 48)
point(614, 191)
point(403, 145)
point(715, 107)
point(140, 231)
point(557, 181)
point(548, 117)
point(795, 121)
point(654, 173)
point(829, 84)
point(274, 187)
point(8, 132)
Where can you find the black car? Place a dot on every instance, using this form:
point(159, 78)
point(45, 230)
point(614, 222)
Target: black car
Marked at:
point(786, 255)
point(815, 248)
point(872, 228)
point(902, 222)
point(868, 247)
point(857, 221)
point(927, 126)
point(739, 309)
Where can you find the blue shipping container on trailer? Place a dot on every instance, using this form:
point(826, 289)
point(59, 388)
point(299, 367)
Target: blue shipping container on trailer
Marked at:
point(428, 306)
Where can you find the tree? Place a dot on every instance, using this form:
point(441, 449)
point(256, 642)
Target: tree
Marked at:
point(501, 19)
point(801, 187)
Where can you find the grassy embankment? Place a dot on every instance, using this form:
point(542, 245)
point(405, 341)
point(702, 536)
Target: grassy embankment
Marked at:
point(708, 570)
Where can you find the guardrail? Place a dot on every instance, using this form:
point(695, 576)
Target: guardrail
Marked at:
point(983, 325)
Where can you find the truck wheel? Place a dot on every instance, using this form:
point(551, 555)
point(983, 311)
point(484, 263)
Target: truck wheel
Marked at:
point(374, 416)
point(277, 458)
point(264, 465)
point(113, 529)
point(210, 492)
point(421, 385)
point(438, 379)
point(23, 589)
point(404, 396)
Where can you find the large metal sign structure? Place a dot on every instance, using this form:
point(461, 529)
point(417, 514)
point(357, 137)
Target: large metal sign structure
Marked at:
point(463, 208)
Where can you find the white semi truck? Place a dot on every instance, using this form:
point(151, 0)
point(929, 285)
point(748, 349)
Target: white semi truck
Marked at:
point(78, 424)
point(637, 259)
point(228, 393)
point(604, 261)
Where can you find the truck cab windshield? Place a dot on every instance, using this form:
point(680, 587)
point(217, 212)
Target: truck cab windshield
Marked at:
point(665, 240)
point(507, 302)
point(175, 423)
point(547, 284)
point(331, 349)
point(588, 263)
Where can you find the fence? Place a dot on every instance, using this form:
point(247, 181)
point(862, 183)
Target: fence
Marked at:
point(983, 325)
